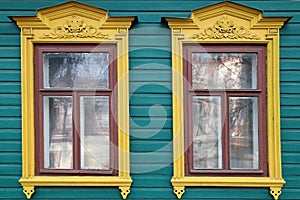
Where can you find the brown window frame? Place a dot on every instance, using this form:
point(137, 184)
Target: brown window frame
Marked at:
point(260, 93)
point(75, 93)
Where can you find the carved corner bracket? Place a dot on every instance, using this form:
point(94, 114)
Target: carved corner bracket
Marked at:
point(28, 191)
point(275, 192)
point(75, 27)
point(225, 29)
point(179, 190)
point(124, 191)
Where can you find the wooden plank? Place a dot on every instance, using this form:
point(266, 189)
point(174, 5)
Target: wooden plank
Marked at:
point(10, 146)
point(149, 40)
point(289, 88)
point(151, 134)
point(290, 169)
point(10, 40)
point(150, 87)
point(290, 76)
point(290, 123)
point(149, 29)
point(148, 111)
point(289, 64)
point(290, 99)
point(154, 5)
point(290, 193)
point(292, 182)
point(150, 146)
point(290, 111)
point(149, 123)
point(150, 99)
point(9, 181)
point(10, 87)
point(289, 41)
point(10, 111)
point(159, 52)
point(290, 146)
point(289, 52)
point(151, 16)
point(10, 75)
point(144, 76)
point(153, 64)
point(10, 52)
point(12, 193)
point(290, 134)
point(291, 158)
point(290, 29)
point(10, 122)
point(154, 181)
point(156, 157)
point(9, 28)
point(152, 168)
point(10, 99)
point(77, 193)
point(10, 63)
point(10, 134)
point(11, 169)
point(11, 158)
point(226, 193)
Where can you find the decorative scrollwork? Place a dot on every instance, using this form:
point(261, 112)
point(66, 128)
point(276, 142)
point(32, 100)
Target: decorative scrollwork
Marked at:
point(225, 29)
point(75, 27)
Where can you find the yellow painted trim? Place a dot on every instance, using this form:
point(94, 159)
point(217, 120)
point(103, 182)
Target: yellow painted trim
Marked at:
point(48, 27)
point(200, 29)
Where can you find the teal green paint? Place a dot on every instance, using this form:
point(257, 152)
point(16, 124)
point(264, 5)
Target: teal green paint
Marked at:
point(150, 102)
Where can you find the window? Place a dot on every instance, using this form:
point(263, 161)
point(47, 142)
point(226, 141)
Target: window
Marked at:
point(226, 105)
point(77, 128)
point(75, 115)
point(225, 110)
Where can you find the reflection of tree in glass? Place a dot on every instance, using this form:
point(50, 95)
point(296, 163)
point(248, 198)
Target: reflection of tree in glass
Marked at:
point(223, 70)
point(81, 70)
point(206, 131)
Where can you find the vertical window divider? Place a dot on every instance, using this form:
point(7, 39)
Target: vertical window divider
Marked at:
point(225, 132)
point(76, 130)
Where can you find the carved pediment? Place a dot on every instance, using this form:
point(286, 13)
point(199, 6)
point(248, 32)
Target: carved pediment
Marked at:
point(75, 27)
point(225, 29)
point(226, 21)
point(73, 21)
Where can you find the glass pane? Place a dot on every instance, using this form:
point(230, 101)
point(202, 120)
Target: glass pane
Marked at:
point(224, 70)
point(58, 132)
point(94, 123)
point(243, 133)
point(207, 132)
point(75, 70)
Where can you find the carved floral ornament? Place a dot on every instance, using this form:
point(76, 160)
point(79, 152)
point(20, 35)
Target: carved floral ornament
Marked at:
point(75, 27)
point(225, 29)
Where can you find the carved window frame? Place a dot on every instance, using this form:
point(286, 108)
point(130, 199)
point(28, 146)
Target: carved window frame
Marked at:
point(219, 24)
point(73, 23)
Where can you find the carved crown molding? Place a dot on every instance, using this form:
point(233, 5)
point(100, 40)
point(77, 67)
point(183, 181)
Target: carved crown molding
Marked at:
point(226, 22)
point(226, 29)
point(75, 27)
point(73, 21)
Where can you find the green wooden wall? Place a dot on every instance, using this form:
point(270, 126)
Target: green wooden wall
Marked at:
point(150, 101)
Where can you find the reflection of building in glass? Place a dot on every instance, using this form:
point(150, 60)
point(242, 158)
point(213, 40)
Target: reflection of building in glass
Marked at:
point(224, 70)
point(207, 132)
point(60, 133)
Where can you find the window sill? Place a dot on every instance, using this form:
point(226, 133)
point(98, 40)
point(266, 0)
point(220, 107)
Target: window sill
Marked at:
point(29, 183)
point(275, 185)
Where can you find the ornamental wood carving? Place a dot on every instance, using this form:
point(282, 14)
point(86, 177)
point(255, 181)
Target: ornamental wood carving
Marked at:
point(75, 27)
point(225, 29)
